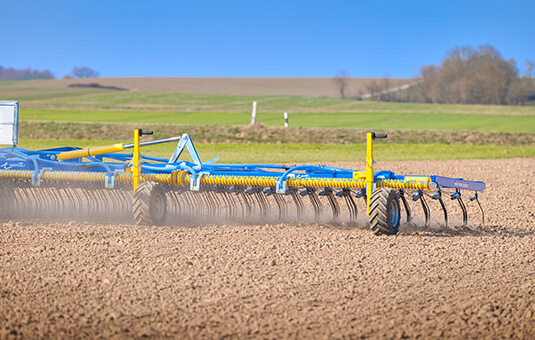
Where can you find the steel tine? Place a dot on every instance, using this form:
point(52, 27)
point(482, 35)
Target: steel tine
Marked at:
point(476, 198)
point(298, 203)
point(71, 201)
point(241, 201)
point(4, 201)
point(186, 206)
point(420, 196)
point(64, 200)
point(262, 202)
point(267, 205)
point(40, 208)
point(316, 204)
point(222, 191)
point(215, 203)
point(457, 195)
point(281, 203)
point(207, 196)
point(261, 205)
point(248, 205)
point(187, 200)
point(182, 210)
point(438, 196)
point(22, 198)
point(103, 198)
point(333, 203)
point(198, 208)
point(33, 205)
point(405, 205)
point(172, 206)
point(351, 205)
point(51, 201)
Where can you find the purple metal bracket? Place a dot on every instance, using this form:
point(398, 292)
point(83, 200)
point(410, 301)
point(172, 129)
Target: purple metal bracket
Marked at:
point(458, 183)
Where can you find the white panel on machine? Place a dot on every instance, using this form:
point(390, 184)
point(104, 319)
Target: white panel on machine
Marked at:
point(9, 122)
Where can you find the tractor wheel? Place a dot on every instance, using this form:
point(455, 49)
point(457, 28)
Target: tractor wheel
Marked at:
point(150, 204)
point(384, 212)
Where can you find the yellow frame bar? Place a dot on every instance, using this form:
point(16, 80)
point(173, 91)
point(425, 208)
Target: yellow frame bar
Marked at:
point(94, 151)
point(369, 170)
point(136, 160)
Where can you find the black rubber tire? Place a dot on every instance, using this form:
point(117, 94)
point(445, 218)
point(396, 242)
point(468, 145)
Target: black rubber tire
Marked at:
point(150, 204)
point(384, 212)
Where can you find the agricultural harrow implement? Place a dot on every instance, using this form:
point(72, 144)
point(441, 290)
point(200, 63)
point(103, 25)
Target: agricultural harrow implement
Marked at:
point(107, 183)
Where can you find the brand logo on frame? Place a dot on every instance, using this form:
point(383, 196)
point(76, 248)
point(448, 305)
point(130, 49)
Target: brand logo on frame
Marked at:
point(8, 166)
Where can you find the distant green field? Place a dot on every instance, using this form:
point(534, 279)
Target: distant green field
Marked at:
point(99, 99)
point(55, 104)
point(364, 120)
point(300, 153)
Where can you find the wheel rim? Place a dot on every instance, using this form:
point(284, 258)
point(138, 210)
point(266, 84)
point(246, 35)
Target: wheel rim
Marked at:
point(394, 213)
point(158, 207)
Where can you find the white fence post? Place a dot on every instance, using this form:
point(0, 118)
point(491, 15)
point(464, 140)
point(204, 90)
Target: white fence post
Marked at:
point(285, 119)
point(253, 115)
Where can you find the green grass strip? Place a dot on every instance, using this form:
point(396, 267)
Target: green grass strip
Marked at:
point(100, 99)
point(301, 153)
point(363, 120)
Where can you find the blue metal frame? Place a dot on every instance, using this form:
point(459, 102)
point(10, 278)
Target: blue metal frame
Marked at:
point(21, 159)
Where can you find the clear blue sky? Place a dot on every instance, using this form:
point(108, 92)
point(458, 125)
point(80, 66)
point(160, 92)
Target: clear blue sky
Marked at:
point(256, 38)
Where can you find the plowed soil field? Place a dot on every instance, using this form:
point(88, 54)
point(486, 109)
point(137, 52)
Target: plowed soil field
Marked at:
point(318, 87)
point(83, 280)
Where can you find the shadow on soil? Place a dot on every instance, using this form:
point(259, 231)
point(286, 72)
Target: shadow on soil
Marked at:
point(454, 231)
point(416, 229)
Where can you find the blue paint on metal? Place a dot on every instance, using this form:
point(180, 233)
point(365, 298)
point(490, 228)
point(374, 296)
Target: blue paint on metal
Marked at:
point(14, 158)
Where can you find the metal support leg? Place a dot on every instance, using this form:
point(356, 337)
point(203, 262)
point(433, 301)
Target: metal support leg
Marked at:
point(298, 202)
point(405, 205)
point(332, 202)
point(438, 196)
point(351, 205)
point(420, 196)
point(476, 198)
point(315, 203)
point(457, 195)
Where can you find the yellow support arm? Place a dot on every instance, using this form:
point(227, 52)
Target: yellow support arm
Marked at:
point(94, 151)
point(136, 159)
point(136, 155)
point(370, 185)
point(369, 170)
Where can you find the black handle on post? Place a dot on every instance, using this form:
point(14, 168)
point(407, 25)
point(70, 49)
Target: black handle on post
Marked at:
point(379, 135)
point(146, 132)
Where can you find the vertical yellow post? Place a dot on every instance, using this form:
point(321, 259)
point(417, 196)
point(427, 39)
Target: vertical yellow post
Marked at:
point(136, 159)
point(369, 170)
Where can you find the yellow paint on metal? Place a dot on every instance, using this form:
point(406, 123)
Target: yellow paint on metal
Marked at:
point(183, 178)
point(94, 151)
point(359, 174)
point(369, 170)
point(136, 160)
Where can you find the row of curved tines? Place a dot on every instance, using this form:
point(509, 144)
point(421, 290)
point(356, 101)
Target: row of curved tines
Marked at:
point(218, 201)
point(249, 202)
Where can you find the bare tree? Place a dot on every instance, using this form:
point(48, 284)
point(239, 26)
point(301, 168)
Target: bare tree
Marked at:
point(385, 93)
point(471, 76)
point(28, 73)
point(341, 79)
point(83, 72)
point(374, 89)
point(523, 90)
point(529, 69)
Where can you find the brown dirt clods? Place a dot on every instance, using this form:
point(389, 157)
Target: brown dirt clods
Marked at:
point(79, 280)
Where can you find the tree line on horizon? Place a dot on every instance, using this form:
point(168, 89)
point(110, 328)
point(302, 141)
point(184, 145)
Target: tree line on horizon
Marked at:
point(466, 75)
point(11, 73)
